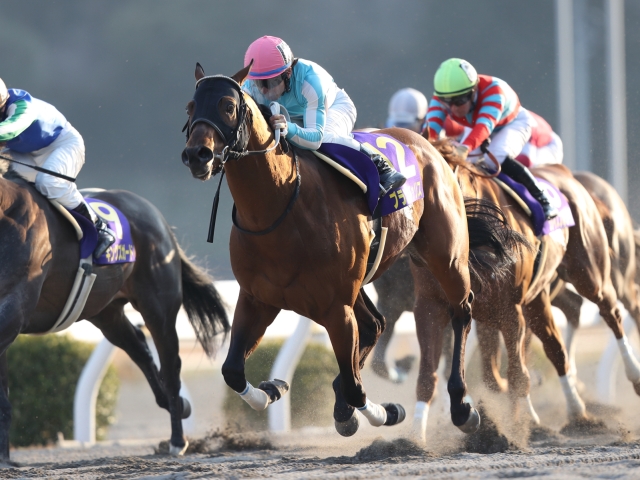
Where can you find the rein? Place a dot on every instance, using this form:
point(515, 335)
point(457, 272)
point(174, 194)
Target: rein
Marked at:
point(236, 141)
point(474, 170)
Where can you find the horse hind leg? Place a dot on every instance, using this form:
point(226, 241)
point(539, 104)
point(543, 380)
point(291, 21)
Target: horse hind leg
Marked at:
point(489, 342)
point(540, 319)
point(164, 384)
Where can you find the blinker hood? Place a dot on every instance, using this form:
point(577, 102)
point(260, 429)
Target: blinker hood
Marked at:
point(209, 91)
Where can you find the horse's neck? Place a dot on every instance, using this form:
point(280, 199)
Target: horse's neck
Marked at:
point(260, 184)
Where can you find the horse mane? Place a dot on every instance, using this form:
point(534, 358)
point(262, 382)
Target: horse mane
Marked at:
point(444, 146)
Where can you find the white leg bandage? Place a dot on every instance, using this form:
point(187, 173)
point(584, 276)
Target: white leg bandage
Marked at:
point(376, 414)
point(575, 405)
point(527, 406)
point(256, 398)
point(420, 418)
point(631, 365)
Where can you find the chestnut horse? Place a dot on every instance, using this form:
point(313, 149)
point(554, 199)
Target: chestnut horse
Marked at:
point(40, 257)
point(395, 289)
point(578, 254)
point(302, 245)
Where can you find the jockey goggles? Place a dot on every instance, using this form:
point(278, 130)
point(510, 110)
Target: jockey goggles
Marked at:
point(269, 83)
point(458, 100)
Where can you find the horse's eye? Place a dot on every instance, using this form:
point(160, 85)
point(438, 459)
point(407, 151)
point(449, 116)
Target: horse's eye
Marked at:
point(230, 109)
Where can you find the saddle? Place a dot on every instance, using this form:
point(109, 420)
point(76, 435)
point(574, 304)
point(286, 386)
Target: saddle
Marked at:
point(122, 251)
point(358, 167)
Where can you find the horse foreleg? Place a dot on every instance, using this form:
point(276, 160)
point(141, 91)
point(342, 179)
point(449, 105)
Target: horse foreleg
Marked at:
point(5, 409)
point(353, 332)
point(540, 319)
point(513, 331)
point(395, 296)
point(431, 319)
point(489, 342)
point(250, 321)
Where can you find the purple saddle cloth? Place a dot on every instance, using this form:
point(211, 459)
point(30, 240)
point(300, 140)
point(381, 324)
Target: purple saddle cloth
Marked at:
point(542, 226)
point(123, 250)
point(400, 156)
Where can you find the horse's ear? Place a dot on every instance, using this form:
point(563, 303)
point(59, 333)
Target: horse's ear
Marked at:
point(242, 74)
point(199, 71)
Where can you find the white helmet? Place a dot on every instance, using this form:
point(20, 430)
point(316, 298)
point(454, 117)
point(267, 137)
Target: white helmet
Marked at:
point(4, 94)
point(407, 107)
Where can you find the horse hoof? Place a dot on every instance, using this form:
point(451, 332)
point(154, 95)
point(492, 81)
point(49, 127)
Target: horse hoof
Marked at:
point(275, 389)
point(395, 413)
point(473, 422)
point(350, 427)
point(178, 451)
point(186, 408)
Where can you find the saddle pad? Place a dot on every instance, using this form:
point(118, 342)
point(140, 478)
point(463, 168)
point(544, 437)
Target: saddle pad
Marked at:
point(542, 226)
point(400, 156)
point(123, 250)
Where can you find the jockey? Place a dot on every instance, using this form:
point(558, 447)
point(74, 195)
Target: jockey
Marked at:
point(36, 133)
point(491, 109)
point(320, 112)
point(407, 109)
point(543, 148)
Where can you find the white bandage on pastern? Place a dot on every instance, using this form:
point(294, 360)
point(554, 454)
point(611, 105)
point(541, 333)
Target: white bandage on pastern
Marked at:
point(420, 418)
point(376, 414)
point(631, 365)
point(575, 405)
point(256, 398)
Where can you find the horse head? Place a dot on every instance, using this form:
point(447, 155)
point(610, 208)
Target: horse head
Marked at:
point(217, 125)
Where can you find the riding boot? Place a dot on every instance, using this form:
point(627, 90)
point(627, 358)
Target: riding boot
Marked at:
point(390, 178)
point(106, 237)
point(523, 175)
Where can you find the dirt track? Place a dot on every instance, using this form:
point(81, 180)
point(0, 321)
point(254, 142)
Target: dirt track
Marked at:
point(609, 447)
point(381, 459)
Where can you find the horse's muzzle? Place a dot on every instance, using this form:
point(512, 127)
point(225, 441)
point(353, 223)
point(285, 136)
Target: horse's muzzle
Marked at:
point(198, 159)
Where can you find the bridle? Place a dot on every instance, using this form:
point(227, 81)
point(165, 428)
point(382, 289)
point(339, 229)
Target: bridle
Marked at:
point(236, 139)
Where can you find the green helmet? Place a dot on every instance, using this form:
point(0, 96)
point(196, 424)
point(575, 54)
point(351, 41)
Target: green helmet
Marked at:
point(454, 77)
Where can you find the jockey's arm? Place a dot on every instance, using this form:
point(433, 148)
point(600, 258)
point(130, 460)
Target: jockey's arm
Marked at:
point(20, 115)
point(314, 118)
point(490, 109)
point(436, 116)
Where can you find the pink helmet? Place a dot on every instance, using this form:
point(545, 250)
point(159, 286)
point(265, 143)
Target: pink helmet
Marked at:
point(271, 56)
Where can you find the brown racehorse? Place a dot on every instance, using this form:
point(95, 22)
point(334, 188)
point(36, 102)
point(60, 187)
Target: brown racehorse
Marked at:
point(395, 288)
point(301, 239)
point(579, 255)
point(40, 257)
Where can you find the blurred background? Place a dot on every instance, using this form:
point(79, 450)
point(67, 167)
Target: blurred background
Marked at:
point(122, 73)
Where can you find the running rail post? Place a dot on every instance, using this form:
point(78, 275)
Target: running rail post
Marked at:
point(284, 368)
point(84, 402)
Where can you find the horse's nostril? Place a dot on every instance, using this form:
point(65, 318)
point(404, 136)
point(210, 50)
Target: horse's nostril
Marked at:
point(205, 154)
point(185, 157)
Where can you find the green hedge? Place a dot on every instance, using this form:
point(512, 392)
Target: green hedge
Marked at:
point(312, 397)
point(43, 374)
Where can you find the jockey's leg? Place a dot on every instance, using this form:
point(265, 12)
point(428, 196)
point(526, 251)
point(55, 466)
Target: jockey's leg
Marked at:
point(341, 118)
point(66, 155)
point(506, 145)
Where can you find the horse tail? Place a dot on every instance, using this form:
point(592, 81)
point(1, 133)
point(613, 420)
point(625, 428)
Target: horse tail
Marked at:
point(493, 244)
point(203, 304)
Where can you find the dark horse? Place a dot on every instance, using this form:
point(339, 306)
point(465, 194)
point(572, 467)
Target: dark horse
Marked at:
point(40, 257)
point(304, 246)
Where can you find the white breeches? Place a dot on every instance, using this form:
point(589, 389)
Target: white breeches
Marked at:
point(66, 156)
point(341, 118)
point(549, 154)
point(510, 139)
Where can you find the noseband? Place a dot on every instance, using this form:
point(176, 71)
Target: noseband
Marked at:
point(209, 91)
